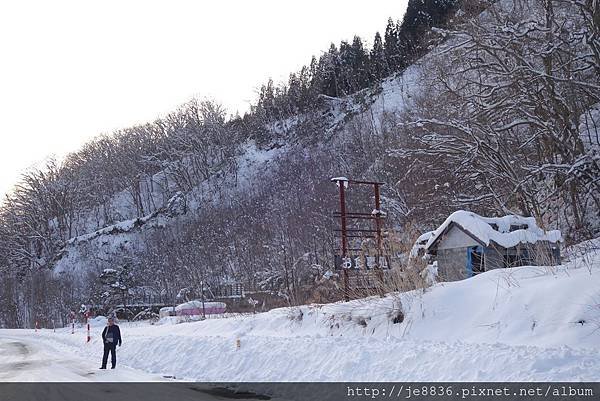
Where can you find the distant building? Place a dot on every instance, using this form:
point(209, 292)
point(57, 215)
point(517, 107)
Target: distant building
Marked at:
point(199, 308)
point(467, 244)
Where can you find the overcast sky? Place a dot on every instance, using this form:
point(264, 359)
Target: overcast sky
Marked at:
point(70, 70)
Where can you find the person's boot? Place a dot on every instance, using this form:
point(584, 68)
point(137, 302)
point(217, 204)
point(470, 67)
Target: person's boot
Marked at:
point(112, 367)
point(102, 367)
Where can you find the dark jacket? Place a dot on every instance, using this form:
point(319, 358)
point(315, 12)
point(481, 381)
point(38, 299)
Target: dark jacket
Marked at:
point(111, 335)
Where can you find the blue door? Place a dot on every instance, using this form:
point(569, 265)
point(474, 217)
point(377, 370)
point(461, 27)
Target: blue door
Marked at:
point(474, 260)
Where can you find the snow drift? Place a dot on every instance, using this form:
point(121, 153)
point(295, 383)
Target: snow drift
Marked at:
point(525, 323)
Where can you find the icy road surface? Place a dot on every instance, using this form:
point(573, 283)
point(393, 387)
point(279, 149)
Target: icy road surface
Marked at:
point(25, 359)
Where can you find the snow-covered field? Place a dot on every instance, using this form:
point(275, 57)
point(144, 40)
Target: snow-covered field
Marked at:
point(520, 324)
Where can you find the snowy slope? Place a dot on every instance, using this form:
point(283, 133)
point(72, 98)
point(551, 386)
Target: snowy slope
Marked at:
point(526, 323)
point(90, 251)
point(335, 118)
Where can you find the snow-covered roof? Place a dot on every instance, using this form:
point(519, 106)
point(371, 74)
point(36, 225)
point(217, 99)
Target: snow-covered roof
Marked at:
point(337, 181)
point(198, 305)
point(420, 243)
point(507, 231)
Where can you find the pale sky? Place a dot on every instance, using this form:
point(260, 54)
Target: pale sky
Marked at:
point(70, 70)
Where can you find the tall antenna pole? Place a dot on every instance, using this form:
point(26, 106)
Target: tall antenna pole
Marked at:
point(377, 213)
point(342, 185)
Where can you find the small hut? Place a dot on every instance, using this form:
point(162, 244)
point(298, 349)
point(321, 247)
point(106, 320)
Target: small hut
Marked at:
point(467, 244)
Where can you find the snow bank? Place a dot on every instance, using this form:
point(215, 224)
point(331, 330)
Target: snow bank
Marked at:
point(497, 229)
point(520, 324)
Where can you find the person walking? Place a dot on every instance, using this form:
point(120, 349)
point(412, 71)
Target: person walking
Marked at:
point(111, 337)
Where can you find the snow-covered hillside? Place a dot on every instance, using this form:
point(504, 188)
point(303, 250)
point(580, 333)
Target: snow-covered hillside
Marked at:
point(370, 108)
point(87, 252)
point(526, 323)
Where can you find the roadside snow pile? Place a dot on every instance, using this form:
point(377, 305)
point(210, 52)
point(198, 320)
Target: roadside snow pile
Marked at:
point(519, 324)
point(507, 231)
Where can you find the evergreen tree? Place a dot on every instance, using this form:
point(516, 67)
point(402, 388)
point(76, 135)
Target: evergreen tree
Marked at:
point(304, 80)
point(360, 66)
point(391, 46)
point(379, 66)
point(347, 82)
point(316, 79)
point(420, 16)
point(404, 58)
point(294, 93)
point(330, 69)
point(116, 286)
point(352, 68)
point(266, 99)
